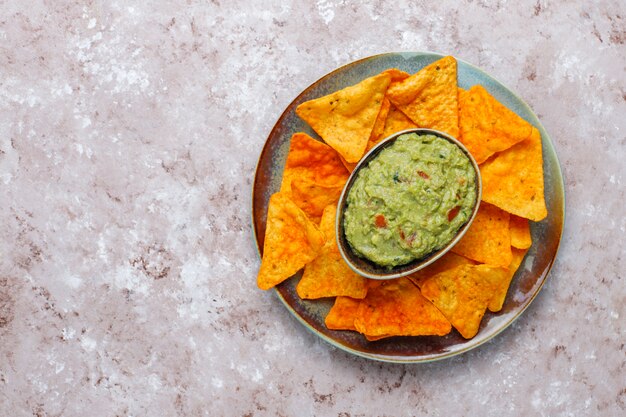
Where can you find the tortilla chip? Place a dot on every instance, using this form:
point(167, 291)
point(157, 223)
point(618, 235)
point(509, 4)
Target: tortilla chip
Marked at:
point(396, 308)
point(520, 232)
point(486, 125)
point(310, 159)
point(379, 125)
point(513, 179)
point(396, 121)
point(345, 118)
point(327, 223)
point(341, 315)
point(448, 261)
point(291, 241)
point(396, 74)
point(349, 166)
point(377, 133)
point(328, 275)
point(312, 198)
point(488, 239)
point(462, 295)
point(429, 97)
point(504, 280)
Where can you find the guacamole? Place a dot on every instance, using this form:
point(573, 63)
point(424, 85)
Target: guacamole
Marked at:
point(410, 200)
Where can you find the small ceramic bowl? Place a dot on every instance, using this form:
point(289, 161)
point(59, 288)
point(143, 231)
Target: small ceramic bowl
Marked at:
point(370, 269)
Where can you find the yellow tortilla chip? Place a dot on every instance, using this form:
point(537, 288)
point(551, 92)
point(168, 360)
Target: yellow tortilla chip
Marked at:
point(377, 132)
point(379, 125)
point(345, 118)
point(310, 159)
point(504, 280)
point(488, 239)
point(342, 313)
point(312, 198)
point(448, 261)
point(513, 179)
point(520, 232)
point(328, 275)
point(462, 295)
point(291, 241)
point(349, 166)
point(396, 74)
point(396, 121)
point(396, 308)
point(486, 125)
point(429, 97)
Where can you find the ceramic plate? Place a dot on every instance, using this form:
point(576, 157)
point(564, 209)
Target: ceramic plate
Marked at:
point(529, 278)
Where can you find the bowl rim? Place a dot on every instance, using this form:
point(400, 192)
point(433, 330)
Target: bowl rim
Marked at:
point(378, 272)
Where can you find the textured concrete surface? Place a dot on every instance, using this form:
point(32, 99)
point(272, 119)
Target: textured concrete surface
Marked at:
point(129, 134)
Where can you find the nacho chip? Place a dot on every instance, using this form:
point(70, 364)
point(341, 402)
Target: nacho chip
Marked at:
point(486, 125)
point(396, 308)
point(379, 125)
point(327, 223)
point(328, 275)
point(504, 280)
point(396, 121)
point(429, 97)
point(376, 135)
point(396, 74)
point(488, 239)
point(291, 241)
point(312, 198)
point(462, 295)
point(513, 179)
point(448, 261)
point(312, 160)
point(345, 118)
point(342, 313)
point(520, 232)
point(348, 165)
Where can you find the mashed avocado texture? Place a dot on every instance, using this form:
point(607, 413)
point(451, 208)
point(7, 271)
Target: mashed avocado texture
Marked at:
point(410, 200)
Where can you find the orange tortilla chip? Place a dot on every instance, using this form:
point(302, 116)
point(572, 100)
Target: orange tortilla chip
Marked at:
point(312, 198)
point(328, 275)
point(486, 125)
point(448, 261)
point(342, 313)
point(429, 97)
point(488, 239)
point(345, 118)
point(327, 223)
point(396, 121)
point(462, 295)
point(312, 160)
point(520, 232)
point(513, 179)
point(504, 280)
point(291, 241)
point(396, 308)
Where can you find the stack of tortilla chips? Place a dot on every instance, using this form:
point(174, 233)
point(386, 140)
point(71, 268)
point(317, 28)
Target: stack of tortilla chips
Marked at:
point(456, 290)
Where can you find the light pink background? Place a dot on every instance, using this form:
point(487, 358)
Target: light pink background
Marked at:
point(129, 134)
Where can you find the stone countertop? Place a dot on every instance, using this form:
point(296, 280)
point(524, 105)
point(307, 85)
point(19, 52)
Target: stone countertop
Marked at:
point(129, 134)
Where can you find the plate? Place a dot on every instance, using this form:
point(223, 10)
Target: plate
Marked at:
point(528, 279)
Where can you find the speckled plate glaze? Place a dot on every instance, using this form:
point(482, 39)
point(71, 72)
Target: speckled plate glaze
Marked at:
point(529, 278)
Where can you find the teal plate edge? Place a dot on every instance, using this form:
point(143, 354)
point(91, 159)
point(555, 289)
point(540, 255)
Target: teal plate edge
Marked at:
point(526, 283)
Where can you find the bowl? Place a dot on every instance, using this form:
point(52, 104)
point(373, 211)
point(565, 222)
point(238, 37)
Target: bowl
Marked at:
point(370, 269)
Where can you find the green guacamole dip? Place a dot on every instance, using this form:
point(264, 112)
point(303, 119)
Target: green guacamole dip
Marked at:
point(410, 200)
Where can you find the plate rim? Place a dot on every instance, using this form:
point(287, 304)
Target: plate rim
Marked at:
point(542, 276)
